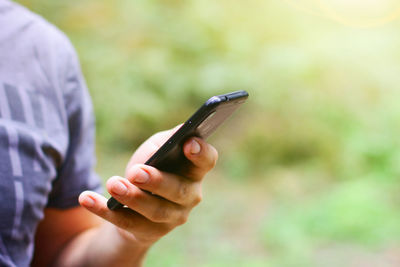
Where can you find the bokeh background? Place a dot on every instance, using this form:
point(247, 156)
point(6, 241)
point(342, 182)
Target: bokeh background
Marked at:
point(309, 169)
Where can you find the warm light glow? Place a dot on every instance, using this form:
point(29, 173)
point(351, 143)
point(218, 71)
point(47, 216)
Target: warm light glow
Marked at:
point(360, 13)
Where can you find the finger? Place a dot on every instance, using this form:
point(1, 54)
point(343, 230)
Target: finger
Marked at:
point(202, 155)
point(154, 208)
point(169, 186)
point(125, 218)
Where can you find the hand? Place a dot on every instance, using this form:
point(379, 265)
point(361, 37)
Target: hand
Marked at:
point(167, 199)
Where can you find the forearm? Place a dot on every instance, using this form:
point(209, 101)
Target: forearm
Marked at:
point(102, 246)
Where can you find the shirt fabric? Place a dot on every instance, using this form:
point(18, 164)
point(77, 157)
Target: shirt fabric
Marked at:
point(46, 129)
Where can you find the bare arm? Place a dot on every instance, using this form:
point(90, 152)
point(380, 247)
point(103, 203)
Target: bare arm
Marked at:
point(124, 236)
point(57, 229)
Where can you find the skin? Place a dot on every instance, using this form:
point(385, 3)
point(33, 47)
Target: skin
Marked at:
point(93, 235)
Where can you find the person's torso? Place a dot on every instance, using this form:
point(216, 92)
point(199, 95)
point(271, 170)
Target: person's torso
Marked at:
point(33, 134)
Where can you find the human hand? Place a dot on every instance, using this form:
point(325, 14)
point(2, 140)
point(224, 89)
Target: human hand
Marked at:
point(150, 216)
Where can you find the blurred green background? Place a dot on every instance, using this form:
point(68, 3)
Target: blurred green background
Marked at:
point(309, 168)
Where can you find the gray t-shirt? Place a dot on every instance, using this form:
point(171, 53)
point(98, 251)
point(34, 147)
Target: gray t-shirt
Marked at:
point(46, 129)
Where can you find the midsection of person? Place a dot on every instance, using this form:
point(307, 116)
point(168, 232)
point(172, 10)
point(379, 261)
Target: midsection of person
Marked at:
point(39, 94)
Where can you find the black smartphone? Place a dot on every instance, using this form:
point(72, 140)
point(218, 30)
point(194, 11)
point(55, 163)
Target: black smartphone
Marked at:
point(169, 157)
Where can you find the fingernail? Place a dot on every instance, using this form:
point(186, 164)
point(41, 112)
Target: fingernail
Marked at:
point(141, 177)
point(119, 188)
point(88, 202)
point(195, 147)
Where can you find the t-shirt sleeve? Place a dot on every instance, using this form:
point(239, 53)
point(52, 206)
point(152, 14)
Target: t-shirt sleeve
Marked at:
point(76, 173)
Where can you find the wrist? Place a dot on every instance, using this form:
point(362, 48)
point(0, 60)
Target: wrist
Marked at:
point(129, 242)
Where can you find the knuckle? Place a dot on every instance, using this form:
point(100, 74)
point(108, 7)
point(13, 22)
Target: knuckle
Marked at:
point(136, 193)
point(121, 219)
point(197, 199)
point(123, 223)
point(183, 191)
point(198, 196)
point(182, 219)
point(134, 196)
point(160, 215)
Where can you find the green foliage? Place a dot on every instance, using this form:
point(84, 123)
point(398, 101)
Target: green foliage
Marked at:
point(318, 139)
point(360, 213)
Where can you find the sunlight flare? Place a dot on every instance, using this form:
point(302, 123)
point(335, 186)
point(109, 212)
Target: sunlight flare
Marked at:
point(358, 13)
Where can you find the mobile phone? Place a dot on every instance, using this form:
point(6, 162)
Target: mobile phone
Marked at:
point(169, 157)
